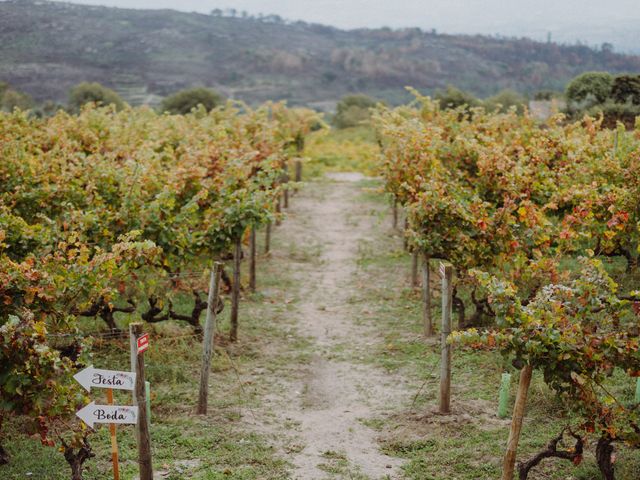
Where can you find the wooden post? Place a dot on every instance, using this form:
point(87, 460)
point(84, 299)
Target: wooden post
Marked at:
point(278, 210)
point(414, 268)
point(508, 465)
point(286, 198)
point(395, 213)
point(426, 297)
point(267, 238)
point(405, 240)
point(445, 361)
point(209, 336)
point(235, 291)
point(252, 259)
point(133, 354)
point(142, 427)
point(114, 440)
point(298, 170)
point(284, 179)
point(147, 390)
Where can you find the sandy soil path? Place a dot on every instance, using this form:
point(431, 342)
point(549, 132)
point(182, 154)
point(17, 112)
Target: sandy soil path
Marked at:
point(321, 406)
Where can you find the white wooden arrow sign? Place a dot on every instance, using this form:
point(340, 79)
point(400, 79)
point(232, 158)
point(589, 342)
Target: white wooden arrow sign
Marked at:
point(95, 377)
point(93, 413)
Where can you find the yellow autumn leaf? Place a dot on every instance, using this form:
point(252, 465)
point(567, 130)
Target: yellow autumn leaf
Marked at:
point(522, 212)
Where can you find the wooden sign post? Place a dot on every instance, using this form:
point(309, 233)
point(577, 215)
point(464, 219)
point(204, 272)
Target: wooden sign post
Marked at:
point(111, 379)
point(446, 271)
point(114, 440)
point(139, 343)
point(93, 413)
point(110, 413)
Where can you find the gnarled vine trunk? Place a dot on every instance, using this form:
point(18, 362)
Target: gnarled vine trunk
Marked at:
point(4, 456)
point(482, 310)
point(459, 308)
point(573, 455)
point(76, 459)
point(604, 452)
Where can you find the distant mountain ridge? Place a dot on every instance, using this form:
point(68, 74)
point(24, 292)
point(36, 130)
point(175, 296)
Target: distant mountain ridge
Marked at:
point(47, 47)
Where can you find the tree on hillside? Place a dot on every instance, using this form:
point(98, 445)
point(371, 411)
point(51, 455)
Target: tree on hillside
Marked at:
point(547, 95)
point(86, 92)
point(184, 101)
point(453, 97)
point(504, 100)
point(626, 88)
point(589, 88)
point(353, 110)
point(11, 99)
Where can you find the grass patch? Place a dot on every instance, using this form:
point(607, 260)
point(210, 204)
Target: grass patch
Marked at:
point(342, 150)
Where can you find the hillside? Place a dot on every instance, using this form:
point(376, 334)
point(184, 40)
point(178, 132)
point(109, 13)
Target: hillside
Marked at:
point(46, 47)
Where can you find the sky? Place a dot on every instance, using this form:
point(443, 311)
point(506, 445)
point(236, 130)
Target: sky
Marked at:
point(590, 21)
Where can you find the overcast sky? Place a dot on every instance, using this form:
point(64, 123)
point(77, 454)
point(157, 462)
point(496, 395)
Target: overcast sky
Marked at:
point(593, 21)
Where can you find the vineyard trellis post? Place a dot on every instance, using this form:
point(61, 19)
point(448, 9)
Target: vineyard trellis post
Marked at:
point(252, 259)
point(445, 361)
point(209, 336)
point(426, 297)
point(415, 260)
point(286, 198)
point(509, 462)
point(298, 171)
point(267, 237)
point(395, 213)
point(405, 240)
point(142, 426)
point(235, 289)
point(278, 210)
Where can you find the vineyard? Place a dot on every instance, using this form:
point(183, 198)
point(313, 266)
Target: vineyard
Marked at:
point(328, 351)
point(105, 213)
point(528, 216)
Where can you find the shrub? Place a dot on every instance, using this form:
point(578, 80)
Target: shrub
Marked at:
point(590, 87)
point(11, 99)
point(453, 97)
point(504, 100)
point(353, 110)
point(626, 88)
point(85, 92)
point(547, 95)
point(182, 102)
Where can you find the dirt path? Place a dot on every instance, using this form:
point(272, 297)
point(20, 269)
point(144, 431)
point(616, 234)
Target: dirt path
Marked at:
point(320, 407)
